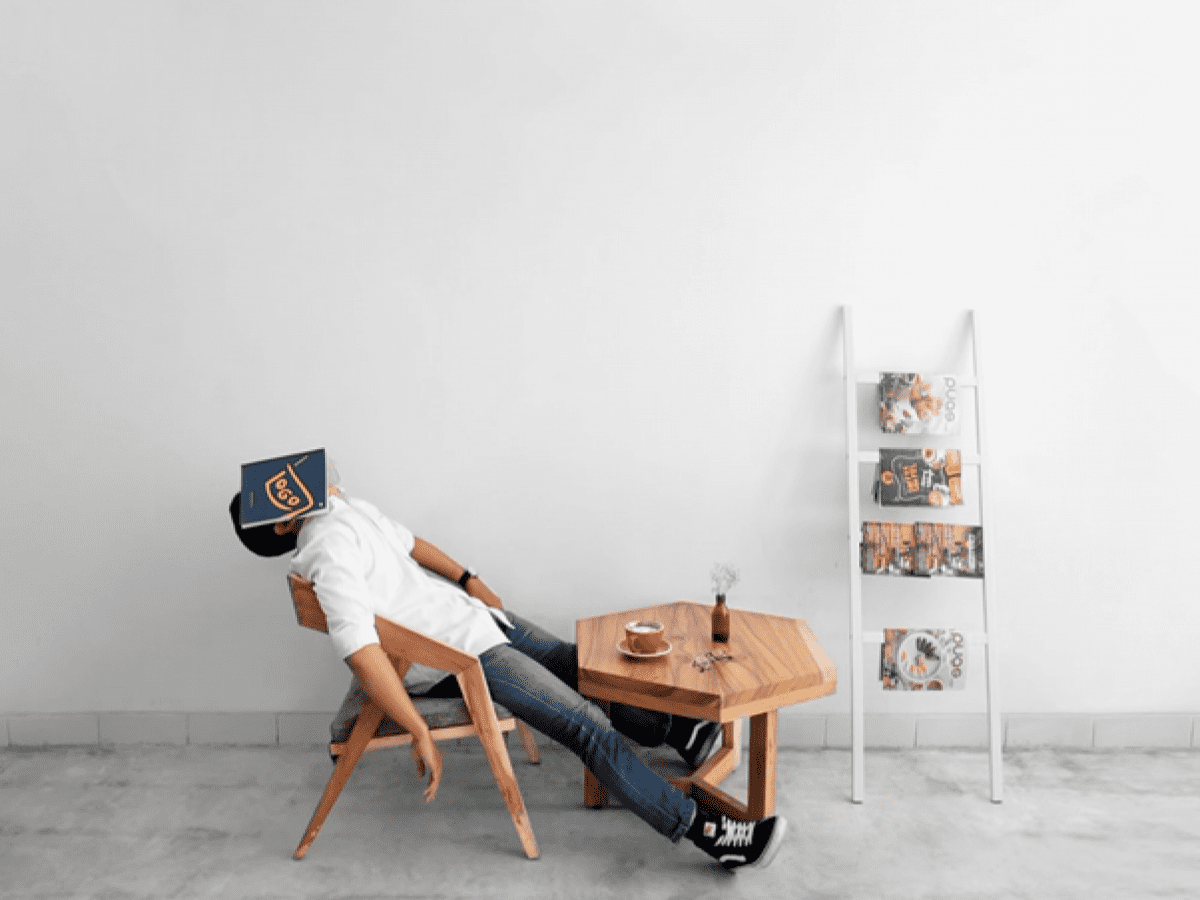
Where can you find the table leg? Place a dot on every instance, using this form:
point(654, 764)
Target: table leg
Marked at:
point(722, 763)
point(594, 793)
point(764, 739)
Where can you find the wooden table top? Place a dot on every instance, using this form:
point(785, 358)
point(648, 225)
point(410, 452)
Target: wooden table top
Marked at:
point(776, 662)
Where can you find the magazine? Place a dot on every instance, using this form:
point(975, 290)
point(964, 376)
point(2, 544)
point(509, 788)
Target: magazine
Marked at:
point(888, 548)
point(922, 659)
point(911, 404)
point(923, 548)
point(919, 478)
point(946, 549)
point(283, 487)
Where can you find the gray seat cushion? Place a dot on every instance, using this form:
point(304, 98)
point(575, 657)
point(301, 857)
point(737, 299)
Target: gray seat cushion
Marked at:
point(437, 713)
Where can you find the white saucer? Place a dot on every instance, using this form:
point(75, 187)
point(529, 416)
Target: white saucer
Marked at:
point(623, 647)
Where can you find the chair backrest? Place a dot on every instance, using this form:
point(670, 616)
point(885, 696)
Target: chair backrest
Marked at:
point(399, 642)
point(304, 599)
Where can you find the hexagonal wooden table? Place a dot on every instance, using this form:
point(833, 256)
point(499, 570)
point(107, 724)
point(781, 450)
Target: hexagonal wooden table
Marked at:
point(776, 662)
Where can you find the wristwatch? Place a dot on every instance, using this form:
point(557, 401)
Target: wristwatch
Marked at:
point(466, 576)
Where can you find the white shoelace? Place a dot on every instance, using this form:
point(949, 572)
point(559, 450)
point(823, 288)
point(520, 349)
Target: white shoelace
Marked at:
point(737, 834)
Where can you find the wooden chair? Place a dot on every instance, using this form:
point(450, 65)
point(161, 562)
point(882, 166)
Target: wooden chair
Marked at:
point(483, 718)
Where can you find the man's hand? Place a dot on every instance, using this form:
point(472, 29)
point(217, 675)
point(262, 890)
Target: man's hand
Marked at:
point(379, 678)
point(427, 756)
point(433, 559)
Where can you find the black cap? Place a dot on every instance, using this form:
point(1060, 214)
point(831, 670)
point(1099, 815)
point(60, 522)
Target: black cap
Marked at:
point(259, 539)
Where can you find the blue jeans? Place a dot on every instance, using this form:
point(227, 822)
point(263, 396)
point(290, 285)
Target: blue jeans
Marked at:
point(536, 676)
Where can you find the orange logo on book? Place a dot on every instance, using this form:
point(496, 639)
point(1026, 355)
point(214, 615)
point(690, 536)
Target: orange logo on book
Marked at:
point(286, 491)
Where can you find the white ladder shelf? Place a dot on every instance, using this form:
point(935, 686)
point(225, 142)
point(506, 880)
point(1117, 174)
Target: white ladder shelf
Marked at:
point(854, 458)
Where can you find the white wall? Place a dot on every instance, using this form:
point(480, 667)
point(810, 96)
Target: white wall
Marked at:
point(558, 286)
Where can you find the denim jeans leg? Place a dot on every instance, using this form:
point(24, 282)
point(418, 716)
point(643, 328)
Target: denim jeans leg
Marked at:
point(647, 727)
point(535, 695)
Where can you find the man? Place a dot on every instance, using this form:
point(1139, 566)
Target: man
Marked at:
point(364, 564)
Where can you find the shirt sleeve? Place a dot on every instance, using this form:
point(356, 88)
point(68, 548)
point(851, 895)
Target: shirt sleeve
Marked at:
point(334, 565)
point(401, 535)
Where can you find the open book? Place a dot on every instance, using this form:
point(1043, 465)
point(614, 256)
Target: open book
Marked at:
point(284, 487)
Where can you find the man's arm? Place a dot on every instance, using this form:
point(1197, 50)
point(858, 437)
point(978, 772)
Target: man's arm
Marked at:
point(334, 564)
point(433, 559)
point(375, 672)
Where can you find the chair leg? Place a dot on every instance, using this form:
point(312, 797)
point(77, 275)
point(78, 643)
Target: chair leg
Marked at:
point(364, 729)
point(479, 704)
point(530, 742)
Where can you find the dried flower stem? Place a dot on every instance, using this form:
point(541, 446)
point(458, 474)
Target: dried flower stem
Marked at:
point(724, 577)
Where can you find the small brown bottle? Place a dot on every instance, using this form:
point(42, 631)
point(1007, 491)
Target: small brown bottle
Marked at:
point(720, 618)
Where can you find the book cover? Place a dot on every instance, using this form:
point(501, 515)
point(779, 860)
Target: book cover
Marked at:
point(283, 487)
point(919, 478)
point(922, 659)
point(888, 548)
point(946, 549)
point(911, 404)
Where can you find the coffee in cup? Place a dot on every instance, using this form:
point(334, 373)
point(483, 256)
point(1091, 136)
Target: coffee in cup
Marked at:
point(645, 637)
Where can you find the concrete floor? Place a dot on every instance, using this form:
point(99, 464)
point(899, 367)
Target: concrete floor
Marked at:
point(164, 822)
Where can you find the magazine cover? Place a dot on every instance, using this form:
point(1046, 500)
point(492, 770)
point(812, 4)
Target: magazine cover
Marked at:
point(283, 487)
point(919, 478)
point(888, 548)
point(922, 659)
point(910, 404)
point(946, 549)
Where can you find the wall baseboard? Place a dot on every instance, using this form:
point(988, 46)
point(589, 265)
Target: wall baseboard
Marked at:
point(1162, 731)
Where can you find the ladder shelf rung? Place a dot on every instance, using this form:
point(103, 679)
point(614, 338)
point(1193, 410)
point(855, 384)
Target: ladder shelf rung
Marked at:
point(873, 378)
point(973, 637)
point(872, 456)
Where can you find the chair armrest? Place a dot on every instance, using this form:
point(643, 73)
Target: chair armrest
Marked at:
point(398, 641)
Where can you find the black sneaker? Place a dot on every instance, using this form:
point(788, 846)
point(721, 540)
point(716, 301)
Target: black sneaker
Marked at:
point(699, 744)
point(735, 844)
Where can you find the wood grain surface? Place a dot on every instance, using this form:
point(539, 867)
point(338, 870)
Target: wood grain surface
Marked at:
point(776, 662)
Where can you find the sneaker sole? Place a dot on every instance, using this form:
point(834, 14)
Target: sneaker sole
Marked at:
point(773, 845)
point(769, 852)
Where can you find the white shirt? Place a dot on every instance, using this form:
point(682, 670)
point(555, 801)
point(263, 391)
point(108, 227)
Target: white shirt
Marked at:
point(361, 566)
